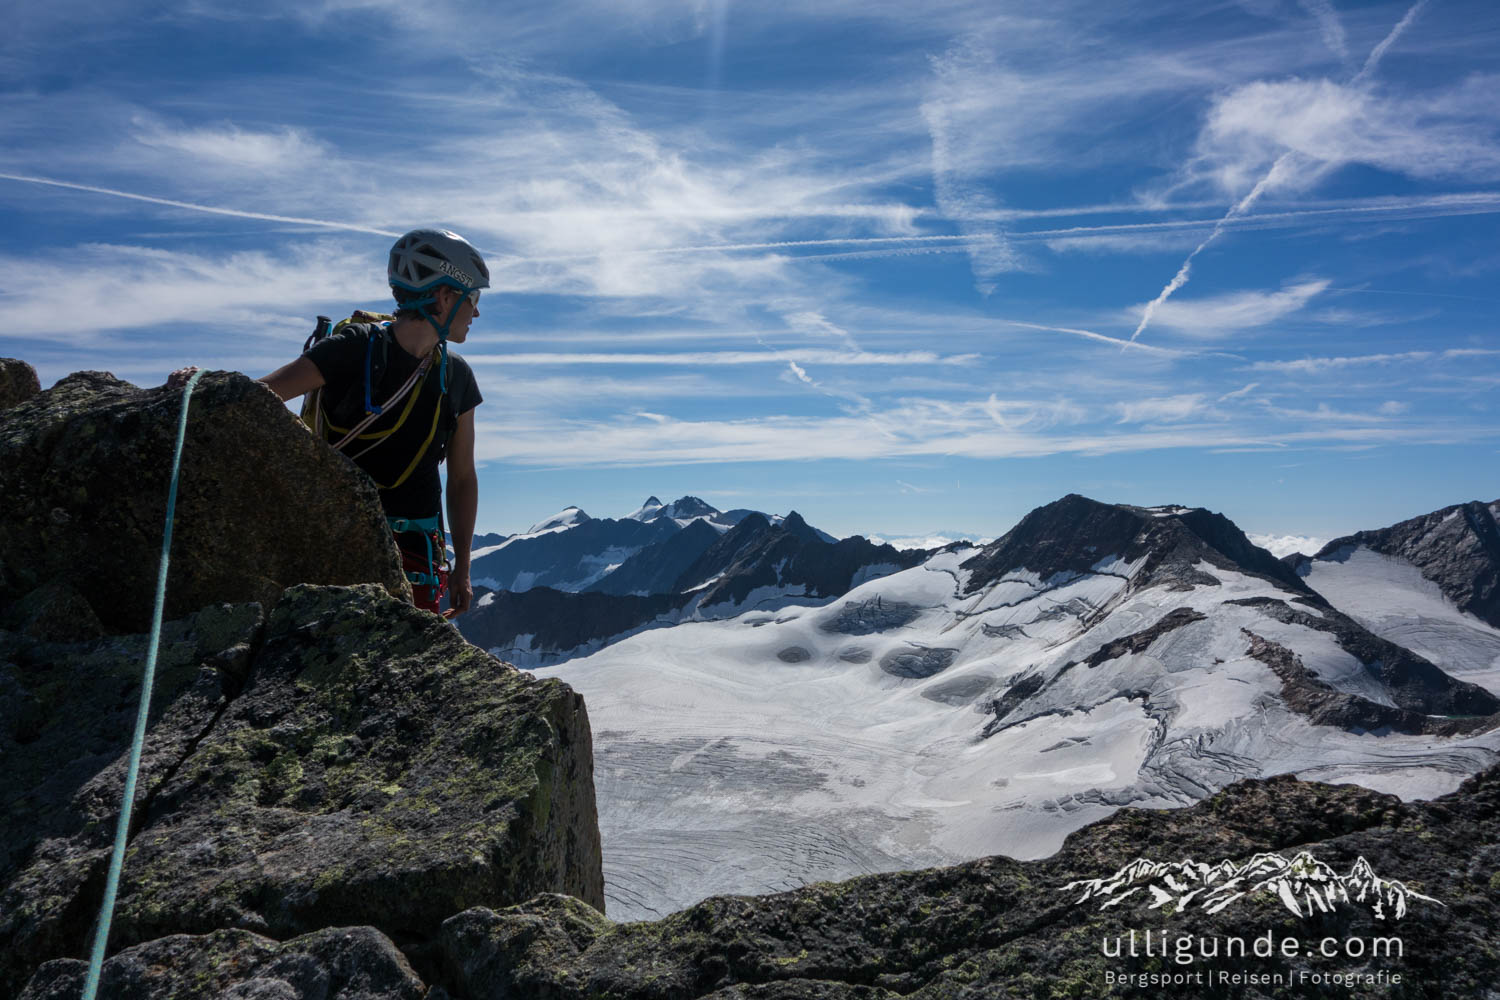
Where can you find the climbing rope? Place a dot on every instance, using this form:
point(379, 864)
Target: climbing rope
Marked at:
point(122, 832)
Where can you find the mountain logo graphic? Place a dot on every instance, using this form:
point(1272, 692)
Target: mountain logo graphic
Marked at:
point(1304, 884)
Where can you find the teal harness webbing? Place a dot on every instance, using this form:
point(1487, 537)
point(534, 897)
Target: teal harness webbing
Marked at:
point(122, 832)
point(428, 526)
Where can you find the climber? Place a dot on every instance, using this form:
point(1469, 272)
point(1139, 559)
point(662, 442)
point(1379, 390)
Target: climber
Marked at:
point(399, 438)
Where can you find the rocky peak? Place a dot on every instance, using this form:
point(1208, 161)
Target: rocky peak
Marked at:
point(1073, 535)
point(647, 511)
point(689, 506)
point(794, 525)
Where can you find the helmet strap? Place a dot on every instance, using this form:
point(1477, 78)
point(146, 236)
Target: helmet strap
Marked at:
point(420, 305)
point(442, 332)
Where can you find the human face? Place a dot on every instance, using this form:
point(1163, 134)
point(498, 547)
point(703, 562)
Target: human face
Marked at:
point(466, 310)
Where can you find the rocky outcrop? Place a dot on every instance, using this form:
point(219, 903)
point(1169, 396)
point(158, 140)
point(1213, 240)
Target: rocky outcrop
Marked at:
point(1002, 928)
point(1457, 548)
point(1429, 700)
point(1306, 694)
point(343, 963)
point(261, 504)
point(353, 761)
point(993, 928)
point(18, 382)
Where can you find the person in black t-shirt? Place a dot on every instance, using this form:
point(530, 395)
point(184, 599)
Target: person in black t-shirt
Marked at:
point(436, 277)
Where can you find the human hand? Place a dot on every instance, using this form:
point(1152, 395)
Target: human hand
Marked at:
point(460, 592)
point(180, 377)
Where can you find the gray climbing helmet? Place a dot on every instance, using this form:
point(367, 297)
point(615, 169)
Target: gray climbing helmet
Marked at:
point(425, 258)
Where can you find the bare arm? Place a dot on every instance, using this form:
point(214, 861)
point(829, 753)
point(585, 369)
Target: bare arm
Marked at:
point(290, 381)
point(463, 507)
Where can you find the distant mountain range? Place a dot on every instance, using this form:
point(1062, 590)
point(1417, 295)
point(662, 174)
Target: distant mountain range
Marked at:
point(811, 710)
point(572, 582)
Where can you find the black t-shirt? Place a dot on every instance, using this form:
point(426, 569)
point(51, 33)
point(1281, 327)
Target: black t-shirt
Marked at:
point(431, 414)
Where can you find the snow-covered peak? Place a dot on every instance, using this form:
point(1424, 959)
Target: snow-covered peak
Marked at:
point(568, 517)
point(682, 510)
point(648, 511)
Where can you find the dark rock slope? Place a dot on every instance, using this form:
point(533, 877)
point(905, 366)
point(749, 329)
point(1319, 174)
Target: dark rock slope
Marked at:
point(334, 759)
point(84, 469)
point(353, 761)
point(993, 928)
point(18, 382)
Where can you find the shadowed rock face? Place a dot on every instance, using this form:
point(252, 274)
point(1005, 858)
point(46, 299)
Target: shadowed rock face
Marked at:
point(352, 762)
point(261, 504)
point(18, 382)
point(346, 963)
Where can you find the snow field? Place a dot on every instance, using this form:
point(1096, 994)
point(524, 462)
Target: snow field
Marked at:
point(752, 754)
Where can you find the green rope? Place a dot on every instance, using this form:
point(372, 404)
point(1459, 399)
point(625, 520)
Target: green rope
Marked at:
point(122, 832)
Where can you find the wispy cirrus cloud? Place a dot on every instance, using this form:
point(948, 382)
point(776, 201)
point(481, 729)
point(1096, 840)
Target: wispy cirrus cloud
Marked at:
point(110, 287)
point(1308, 366)
point(1163, 409)
point(230, 146)
point(1311, 366)
point(715, 358)
point(1222, 315)
point(924, 428)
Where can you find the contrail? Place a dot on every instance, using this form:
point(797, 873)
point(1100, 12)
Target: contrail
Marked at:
point(211, 209)
point(1181, 277)
point(1329, 26)
point(1384, 209)
point(1378, 52)
point(1091, 335)
point(730, 247)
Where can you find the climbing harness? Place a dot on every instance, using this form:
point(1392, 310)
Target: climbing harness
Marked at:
point(427, 573)
point(122, 830)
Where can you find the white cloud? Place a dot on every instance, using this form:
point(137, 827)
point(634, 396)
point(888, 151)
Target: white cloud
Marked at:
point(1226, 314)
point(1329, 26)
point(1310, 366)
point(813, 322)
point(1393, 408)
point(709, 358)
point(912, 428)
point(1238, 393)
point(281, 150)
point(1328, 125)
point(110, 287)
point(927, 541)
point(1285, 545)
point(1162, 409)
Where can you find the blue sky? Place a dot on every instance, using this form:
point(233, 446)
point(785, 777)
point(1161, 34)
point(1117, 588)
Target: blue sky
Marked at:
point(905, 268)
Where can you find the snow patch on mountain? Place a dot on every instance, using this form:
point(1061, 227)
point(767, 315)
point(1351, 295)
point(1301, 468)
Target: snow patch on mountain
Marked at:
point(1390, 597)
point(566, 518)
point(647, 511)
